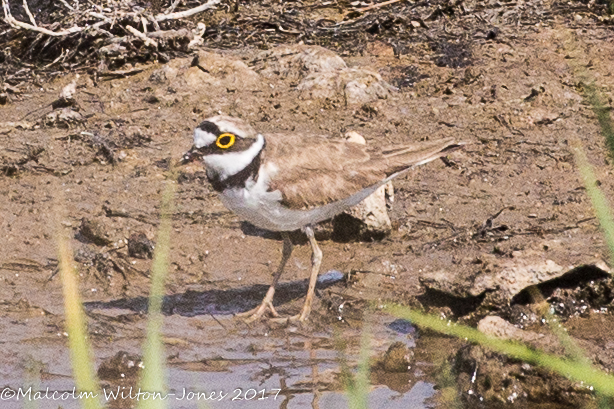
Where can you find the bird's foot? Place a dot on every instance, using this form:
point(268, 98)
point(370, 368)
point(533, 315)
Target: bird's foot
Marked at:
point(302, 317)
point(258, 312)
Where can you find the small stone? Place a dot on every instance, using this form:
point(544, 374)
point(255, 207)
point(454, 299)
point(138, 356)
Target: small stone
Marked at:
point(139, 246)
point(397, 359)
point(355, 137)
point(94, 232)
point(122, 366)
point(368, 219)
point(67, 96)
point(498, 327)
point(63, 118)
point(158, 76)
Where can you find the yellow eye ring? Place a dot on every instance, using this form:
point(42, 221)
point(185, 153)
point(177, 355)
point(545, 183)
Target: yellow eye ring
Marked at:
point(231, 141)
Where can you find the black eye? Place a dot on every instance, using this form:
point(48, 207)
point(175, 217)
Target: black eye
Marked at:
point(225, 140)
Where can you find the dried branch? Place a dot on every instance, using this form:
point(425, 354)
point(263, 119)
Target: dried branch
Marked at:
point(172, 7)
point(100, 16)
point(8, 17)
point(148, 41)
point(144, 22)
point(186, 13)
point(67, 5)
point(377, 5)
point(25, 6)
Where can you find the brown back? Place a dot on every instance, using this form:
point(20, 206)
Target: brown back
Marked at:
point(314, 171)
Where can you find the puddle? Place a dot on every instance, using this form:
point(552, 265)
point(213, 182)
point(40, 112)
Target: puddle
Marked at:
point(288, 390)
point(272, 369)
point(222, 389)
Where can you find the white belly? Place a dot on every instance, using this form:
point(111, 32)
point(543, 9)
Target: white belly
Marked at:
point(264, 209)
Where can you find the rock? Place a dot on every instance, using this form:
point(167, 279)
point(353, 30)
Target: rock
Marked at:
point(354, 86)
point(122, 366)
point(67, 96)
point(63, 118)
point(500, 328)
point(487, 379)
point(369, 219)
point(6, 127)
point(511, 277)
point(355, 137)
point(398, 358)
point(140, 246)
point(94, 232)
point(503, 282)
point(158, 76)
point(221, 70)
point(295, 62)
point(499, 280)
point(168, 72)
point(322, 74)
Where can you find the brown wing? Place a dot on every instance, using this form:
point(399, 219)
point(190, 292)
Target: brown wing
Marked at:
point(313, 170)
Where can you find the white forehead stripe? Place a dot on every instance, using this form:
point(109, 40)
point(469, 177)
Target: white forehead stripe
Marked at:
point(203, 138)
point(231, 163)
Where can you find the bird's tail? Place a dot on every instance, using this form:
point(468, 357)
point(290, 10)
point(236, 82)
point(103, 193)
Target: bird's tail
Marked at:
point(409, 156)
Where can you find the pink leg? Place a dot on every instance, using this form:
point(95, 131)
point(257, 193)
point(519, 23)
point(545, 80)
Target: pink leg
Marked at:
point(267, 302)
point(316, 261)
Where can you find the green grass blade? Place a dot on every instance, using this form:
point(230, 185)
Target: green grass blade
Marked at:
point(571, 369)
point(81, 355)
point(595, 99)
point(598, 199)
point(153, 375)
point(358, 392)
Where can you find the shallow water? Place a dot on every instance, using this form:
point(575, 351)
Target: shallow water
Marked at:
point(283, 368)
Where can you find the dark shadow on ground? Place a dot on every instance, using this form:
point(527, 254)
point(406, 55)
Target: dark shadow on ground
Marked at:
point(221, 302)
point(460, 306)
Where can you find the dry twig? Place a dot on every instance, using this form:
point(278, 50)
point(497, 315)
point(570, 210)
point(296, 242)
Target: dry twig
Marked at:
point(67, 5)
point(377, 5)
point(25, 6)
point(148, 41)
point(172, 7)
point(8, 17)
point(186, 13)
point(12, 21)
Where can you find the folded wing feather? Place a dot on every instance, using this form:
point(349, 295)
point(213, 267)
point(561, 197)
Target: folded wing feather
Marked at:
point(315, 171)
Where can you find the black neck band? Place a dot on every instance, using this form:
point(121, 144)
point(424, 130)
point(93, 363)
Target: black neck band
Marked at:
point(238, 179)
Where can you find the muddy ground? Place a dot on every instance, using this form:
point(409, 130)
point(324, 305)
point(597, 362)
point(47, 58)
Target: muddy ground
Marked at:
point(514, 193)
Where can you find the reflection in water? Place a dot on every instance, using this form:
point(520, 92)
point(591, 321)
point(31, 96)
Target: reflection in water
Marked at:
point(299, 372)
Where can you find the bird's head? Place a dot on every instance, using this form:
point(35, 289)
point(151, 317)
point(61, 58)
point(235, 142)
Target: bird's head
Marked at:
point(219, 135)
point(227, 145)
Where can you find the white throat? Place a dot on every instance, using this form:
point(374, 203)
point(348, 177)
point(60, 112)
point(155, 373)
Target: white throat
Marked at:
point(231, 163)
